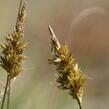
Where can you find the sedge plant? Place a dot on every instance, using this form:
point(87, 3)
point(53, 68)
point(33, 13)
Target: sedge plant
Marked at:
point(69, 75)
point(12, 52)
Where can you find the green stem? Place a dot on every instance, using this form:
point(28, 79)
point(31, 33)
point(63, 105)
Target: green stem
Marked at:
point(79, 103)
point(8, 92)
point(4, 96)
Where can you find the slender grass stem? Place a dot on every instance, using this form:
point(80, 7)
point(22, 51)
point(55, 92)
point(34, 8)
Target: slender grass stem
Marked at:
point(5, 92)
point(8, 92)
point(79, 103)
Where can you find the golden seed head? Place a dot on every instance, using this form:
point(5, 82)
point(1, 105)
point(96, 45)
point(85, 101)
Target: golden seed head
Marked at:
point(12, 50)
point(70, 76)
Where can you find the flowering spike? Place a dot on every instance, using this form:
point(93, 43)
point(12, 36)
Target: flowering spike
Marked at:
point(70, 76)
point(12, 50)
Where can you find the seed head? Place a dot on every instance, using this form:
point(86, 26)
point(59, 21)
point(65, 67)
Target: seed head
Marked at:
point(12, 50)
point(70, 76)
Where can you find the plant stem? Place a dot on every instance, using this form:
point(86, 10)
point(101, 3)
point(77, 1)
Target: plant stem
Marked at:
point(8, 92)
point(4, 96)
point(79, 103)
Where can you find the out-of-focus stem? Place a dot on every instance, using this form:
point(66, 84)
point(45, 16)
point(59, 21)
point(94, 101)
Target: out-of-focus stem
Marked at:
point(8, 92)
point(79, 103)
point(4, 96)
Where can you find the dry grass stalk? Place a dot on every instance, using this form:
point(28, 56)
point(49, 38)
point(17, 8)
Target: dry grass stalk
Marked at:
point(69, 76)
point(12, 51)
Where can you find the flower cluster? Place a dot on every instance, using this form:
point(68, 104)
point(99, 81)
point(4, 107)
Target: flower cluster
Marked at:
point(12, 50)
point(70, 76)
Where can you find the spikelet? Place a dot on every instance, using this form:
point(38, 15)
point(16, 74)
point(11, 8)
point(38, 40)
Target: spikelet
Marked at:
point(70, 76)
point(12, 50)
